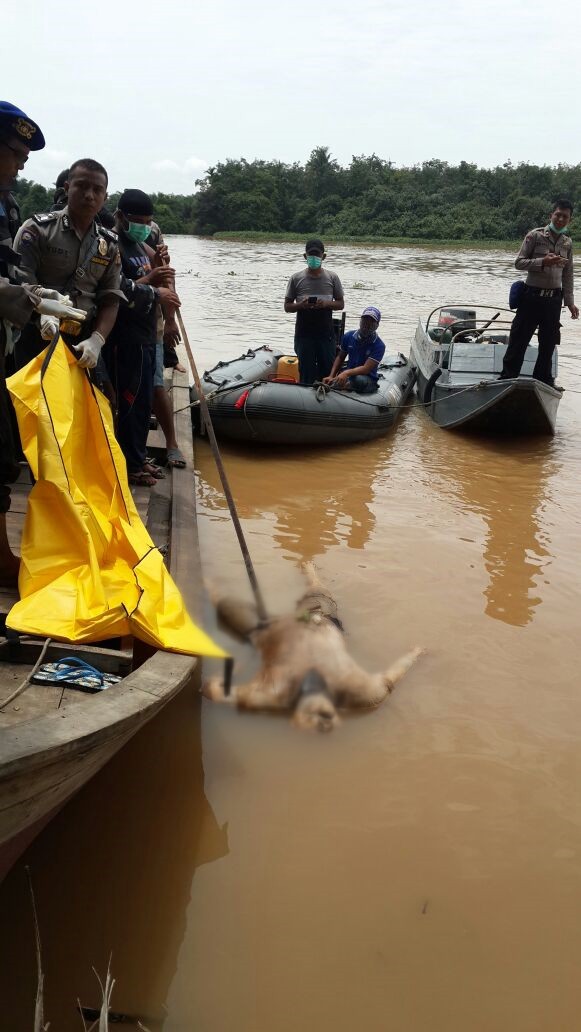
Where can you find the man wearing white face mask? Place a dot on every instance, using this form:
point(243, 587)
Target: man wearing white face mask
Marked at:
point(314, 294)
point(130, 351)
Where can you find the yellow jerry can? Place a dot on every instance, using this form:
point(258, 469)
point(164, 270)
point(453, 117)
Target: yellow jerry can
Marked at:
point(288, 368)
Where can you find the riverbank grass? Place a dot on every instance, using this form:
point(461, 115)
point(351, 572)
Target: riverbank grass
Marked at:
point(252, 237)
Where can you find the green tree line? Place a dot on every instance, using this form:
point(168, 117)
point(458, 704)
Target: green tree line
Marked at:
point(368, 198)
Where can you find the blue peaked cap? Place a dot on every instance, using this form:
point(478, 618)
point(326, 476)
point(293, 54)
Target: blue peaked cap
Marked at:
point(14, 122)
point(372, 312)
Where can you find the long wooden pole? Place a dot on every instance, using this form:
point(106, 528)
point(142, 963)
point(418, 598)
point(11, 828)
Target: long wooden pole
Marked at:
point(262, 613)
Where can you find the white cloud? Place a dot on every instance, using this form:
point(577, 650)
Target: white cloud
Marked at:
point(407, 79)
point(44, 166)
point(184, 167)
point(173, 176)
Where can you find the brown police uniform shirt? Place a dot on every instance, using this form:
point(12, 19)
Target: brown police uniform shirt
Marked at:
point(535, 246)
point(17, 304)
point(54, 255)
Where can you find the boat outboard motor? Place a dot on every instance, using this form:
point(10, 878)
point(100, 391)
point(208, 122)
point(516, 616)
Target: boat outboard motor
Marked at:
point(459, 318)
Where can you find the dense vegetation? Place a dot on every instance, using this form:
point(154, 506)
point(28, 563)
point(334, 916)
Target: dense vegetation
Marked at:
point(370, 199)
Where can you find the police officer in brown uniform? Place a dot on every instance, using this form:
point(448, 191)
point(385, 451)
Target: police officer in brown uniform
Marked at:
point(70, 251)
point(18, 136)
point(547, 256)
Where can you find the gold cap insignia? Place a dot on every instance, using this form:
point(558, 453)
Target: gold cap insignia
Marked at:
point(24, 128)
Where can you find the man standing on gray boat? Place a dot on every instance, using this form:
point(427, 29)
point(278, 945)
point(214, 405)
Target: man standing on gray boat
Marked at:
point(547, 256)
point(314, 294)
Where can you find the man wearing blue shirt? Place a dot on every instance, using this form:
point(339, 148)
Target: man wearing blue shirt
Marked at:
point(363, 350)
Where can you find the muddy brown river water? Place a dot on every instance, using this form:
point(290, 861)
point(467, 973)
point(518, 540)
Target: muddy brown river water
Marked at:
point(419, 870)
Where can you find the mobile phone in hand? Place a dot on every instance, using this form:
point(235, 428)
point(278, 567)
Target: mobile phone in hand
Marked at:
point(312, 300)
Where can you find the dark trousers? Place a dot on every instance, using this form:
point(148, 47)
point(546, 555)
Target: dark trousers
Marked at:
point(534, 311)
point(316, 357)
point(363, 384)
point(9, 468)
point(130, 365)
point(28, 345)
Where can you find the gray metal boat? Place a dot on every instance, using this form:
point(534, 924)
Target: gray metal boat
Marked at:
point(458, 355)
point(248, 404)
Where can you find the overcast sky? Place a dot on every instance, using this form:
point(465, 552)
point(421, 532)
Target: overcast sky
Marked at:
point(158, 92)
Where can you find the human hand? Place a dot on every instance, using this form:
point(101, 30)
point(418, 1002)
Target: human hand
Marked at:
point(328, 379)
point(168, 297)
point(88, 350)
point(162, 276)
point(553, 259)
point(49, 326)
point(574, 311)
point(52, 295)
point(341, 381)
point(60, 309)
point(161, 257)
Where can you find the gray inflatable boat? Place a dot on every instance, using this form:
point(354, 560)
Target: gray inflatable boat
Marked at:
point(248, 404)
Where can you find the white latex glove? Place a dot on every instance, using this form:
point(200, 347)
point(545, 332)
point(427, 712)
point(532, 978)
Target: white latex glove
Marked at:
point(89, 350)
point(60, 309)
point(49, 325)
point(53, 295)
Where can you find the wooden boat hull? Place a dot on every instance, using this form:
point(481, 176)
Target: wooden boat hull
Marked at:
point(48, 751)
point(463, 391)
point(264, 412)
point(45, 762)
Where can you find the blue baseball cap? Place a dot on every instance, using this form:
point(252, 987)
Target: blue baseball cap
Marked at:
point(13, 122)
point(373, 313)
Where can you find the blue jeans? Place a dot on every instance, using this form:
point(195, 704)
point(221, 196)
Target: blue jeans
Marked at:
point(363, 384)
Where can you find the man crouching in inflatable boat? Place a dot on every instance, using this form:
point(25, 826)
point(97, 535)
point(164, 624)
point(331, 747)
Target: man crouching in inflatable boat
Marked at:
point(363, 350)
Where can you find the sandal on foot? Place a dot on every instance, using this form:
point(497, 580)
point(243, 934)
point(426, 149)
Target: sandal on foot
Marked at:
point(152, 470)
point(175, 458)
point(142, 479)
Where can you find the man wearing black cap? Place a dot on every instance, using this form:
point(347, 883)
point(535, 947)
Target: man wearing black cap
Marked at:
point(70, 251)
point(130, 350)
point(18, 136)
point(314, 294)
point(60, 194)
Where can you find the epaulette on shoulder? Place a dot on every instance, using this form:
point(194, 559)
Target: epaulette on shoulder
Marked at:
point(108, 234)
point(45, 217)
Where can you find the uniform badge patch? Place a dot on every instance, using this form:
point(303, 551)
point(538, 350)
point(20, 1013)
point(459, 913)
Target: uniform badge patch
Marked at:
point(103, 247)
point(49, 216)
point(28, 236)
point(24, 128)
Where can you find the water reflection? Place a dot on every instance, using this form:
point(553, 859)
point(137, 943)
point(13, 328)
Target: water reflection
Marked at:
point(319, 502)
point(117, 868)
point(507, 485)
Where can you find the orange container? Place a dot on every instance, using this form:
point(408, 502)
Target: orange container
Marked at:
point(288, 368)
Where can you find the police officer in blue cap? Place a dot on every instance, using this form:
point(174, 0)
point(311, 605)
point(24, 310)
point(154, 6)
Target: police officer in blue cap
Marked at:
point(18, 136)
